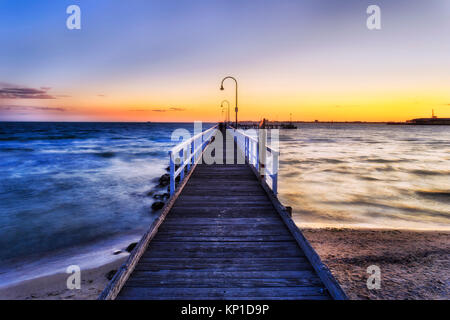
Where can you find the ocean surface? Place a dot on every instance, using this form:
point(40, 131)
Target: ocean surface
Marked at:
point(367, 175)
point(73, 193)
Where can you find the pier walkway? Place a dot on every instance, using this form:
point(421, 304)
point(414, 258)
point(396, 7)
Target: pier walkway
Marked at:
point(223, 235)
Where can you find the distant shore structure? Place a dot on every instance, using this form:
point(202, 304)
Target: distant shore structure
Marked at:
point(434, 120)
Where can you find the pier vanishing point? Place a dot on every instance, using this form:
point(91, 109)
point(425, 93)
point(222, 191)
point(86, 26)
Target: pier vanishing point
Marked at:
point(223, 234)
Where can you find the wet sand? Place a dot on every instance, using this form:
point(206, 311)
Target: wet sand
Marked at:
point(54, 287)
point(414, 265)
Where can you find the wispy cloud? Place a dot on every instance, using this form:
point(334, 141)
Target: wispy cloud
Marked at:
point(172, 109)
point(16, 92)
point(31, 108)
point(169, 109)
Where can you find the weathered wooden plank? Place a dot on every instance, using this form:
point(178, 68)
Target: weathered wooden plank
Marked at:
point(249, 203)
point(167, 275)
point(255, 227)
point(220, 198)
point(244, 238)
point(223, 192)
point(219, 212)
point(221, 230)
point(224, 280)
point(246, 183)
point(272, 264)
point(222, 293)
point(224, 210)
point(269, 220)
point(213, 249)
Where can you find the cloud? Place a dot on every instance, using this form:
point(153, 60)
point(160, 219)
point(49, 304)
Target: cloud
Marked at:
point(170, 109)
point(158, 110)
point(31, 108)
point(14, 92)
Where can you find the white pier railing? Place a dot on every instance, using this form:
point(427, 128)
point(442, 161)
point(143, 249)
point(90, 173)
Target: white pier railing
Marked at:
point(259, 155)
point(187, 153)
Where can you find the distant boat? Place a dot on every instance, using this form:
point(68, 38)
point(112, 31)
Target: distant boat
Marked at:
point(434, 120)
point(288, 125)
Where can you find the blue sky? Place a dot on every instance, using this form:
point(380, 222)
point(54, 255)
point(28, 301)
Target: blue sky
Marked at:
point(172, 53)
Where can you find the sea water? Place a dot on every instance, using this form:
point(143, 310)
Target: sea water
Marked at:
point(73, 193)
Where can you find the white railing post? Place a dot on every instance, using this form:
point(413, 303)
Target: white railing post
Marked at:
point(247, 140)
point(192, 153)
point(275, 172)
point(181, 164)
point(262, 142)
point(172, 173)
point(257, 156)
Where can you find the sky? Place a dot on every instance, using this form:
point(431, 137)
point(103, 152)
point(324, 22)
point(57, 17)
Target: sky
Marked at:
point(146, 60)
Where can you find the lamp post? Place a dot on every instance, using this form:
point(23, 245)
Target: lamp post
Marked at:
point(228, 109)
point(222, 88)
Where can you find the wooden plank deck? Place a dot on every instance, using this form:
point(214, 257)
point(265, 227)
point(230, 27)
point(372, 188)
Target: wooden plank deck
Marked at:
point(223, 238)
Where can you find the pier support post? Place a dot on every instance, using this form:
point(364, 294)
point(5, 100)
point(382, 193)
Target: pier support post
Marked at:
point(262, 146)
point(172, 173)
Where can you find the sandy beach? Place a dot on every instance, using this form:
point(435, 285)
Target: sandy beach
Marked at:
point(414, 265)
point(53, 287)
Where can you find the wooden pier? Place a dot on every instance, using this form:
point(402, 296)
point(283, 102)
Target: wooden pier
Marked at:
point(223, 235)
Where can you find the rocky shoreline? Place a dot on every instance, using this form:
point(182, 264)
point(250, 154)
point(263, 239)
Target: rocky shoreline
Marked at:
point(160, 194)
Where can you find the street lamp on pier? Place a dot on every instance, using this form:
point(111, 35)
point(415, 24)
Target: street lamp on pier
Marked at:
point(222, 88)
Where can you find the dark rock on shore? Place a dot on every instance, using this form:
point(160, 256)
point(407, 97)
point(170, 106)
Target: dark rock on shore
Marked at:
point(161, 196)
point(176, 168)
point(164, 180)
point(131, 247)
point(111, 274)
point(157, 205)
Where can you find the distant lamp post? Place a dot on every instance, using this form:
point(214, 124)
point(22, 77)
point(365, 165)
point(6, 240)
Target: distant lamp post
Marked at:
point(228, 110)
point(236, 108)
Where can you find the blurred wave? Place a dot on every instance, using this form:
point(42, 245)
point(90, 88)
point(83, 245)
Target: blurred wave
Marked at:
point(359, 175)
point(67, 187)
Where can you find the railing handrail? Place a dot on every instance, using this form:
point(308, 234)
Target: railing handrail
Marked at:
point(269, 148)
point(184, 143)
point(251, 150)
point(195, 152)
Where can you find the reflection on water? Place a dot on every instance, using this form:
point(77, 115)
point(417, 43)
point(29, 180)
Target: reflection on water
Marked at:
point(367, 175)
